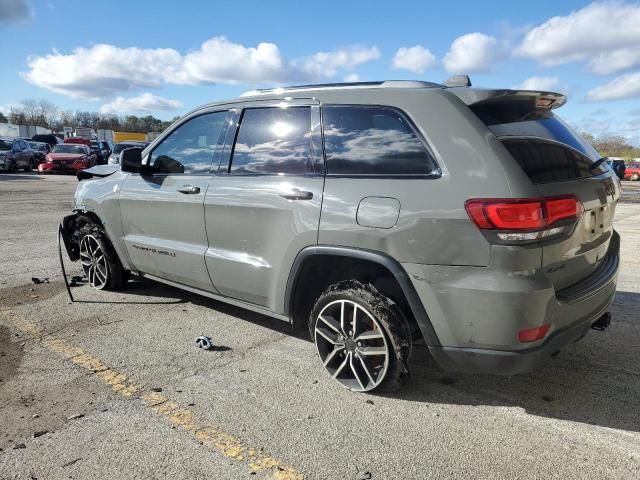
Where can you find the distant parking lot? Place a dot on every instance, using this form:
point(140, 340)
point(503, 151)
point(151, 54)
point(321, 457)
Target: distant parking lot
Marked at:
point(89, 389)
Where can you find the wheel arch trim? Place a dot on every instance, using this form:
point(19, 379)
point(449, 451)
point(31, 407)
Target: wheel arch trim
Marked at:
point(384, 260)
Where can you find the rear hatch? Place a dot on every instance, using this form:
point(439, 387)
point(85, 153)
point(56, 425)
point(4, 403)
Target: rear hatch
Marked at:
point(558, 162)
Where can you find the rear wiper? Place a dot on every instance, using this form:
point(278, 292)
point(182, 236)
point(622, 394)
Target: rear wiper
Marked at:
point(597, 163)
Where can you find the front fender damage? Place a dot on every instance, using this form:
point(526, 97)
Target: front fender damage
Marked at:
point(70, 231)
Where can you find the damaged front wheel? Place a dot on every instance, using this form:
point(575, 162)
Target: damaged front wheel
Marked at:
point(99, 262)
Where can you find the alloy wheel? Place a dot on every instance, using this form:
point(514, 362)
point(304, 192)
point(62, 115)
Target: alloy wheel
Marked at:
point(94, 261)
point(352, 345)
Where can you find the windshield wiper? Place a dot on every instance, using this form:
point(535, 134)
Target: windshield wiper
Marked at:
point(597, 163)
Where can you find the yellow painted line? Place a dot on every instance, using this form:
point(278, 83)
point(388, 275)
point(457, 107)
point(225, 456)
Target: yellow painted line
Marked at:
point(210, 435)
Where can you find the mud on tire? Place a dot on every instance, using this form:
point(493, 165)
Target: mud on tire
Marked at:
point(356, 350)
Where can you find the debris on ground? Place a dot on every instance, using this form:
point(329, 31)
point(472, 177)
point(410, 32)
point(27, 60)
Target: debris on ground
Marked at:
point(156, 389)
point(38, 281)
point(364, 476)
point(19, 446)
point(370, 402)
point(204, 342)
point(40, 433)
point(75, 417)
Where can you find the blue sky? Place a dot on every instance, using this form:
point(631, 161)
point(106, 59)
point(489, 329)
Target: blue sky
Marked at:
point(166, 57)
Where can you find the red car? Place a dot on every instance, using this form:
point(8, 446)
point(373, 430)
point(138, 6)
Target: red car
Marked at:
point(632, 172)
point(67, 158)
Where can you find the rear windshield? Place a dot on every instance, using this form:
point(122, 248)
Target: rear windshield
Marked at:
point(545, 147)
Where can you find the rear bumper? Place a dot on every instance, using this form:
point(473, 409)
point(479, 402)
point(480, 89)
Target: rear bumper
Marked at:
point(477, 312)
point(498, 362)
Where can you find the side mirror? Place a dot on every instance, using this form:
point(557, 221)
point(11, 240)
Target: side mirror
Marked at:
point(131, 161)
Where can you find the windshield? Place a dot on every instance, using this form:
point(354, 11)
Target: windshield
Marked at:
point(68, 148)
point(5, 145)
point(38, 146)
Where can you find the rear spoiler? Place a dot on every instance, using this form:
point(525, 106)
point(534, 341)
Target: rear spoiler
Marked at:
point(537, 99)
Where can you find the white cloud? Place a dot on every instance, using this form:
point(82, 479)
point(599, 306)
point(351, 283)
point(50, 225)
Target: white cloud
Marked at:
point(220, 61)
point(352, 77)
point(615, 61)
point(145, 103)
point(415, 59)
point(548, 84)
point(474, 52)
point(604, 34)
point(104, 70)
point(323, 65)
point(624, 86)
point(15, 11)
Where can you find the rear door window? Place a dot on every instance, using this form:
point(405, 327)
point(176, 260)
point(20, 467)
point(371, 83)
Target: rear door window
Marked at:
point(274, 141)
point(372, 140)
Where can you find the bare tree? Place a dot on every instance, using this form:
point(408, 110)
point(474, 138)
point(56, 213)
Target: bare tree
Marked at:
point(48, 112)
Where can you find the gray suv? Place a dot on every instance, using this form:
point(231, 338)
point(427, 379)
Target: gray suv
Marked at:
point(382, 216)
point(16, 153)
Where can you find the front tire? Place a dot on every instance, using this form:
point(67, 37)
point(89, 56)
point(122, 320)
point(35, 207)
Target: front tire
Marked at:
point(99, 261)
point(361, 337)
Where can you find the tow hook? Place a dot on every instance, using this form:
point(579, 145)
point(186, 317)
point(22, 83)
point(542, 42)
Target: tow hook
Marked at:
point(602, 323)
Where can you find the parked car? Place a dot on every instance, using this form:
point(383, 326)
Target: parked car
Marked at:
point(618, 166)
point(114, 158)
point(67, 158)
point(377, 215)
point(49, 138)
point(101, 153)
point(16, 154)
point(40, 150)
point(108, 148)
point(632, 171)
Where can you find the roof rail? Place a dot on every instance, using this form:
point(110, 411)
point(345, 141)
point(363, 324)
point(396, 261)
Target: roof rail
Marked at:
point(322, 86)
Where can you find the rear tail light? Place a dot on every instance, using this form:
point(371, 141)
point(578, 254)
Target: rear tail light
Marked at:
point(533, 334)
point(524, 219)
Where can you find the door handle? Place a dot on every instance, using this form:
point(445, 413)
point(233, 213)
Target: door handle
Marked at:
point(297, 194)
point(188, 189)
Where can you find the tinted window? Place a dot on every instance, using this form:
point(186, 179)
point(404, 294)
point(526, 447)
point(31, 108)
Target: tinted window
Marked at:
point(372, 141)
point(274, 141)
point(192, 146)
point(544, 161)
point(549, 127)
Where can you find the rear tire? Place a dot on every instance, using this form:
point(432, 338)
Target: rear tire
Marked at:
point(99, 261)
point(12, 167)
point(361, 336)
point(635, 177)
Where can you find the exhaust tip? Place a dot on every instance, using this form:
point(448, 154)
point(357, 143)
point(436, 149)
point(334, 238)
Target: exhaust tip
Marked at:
point(602, 323)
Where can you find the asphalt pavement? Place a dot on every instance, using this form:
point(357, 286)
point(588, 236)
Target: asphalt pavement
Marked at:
point(113, 386)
